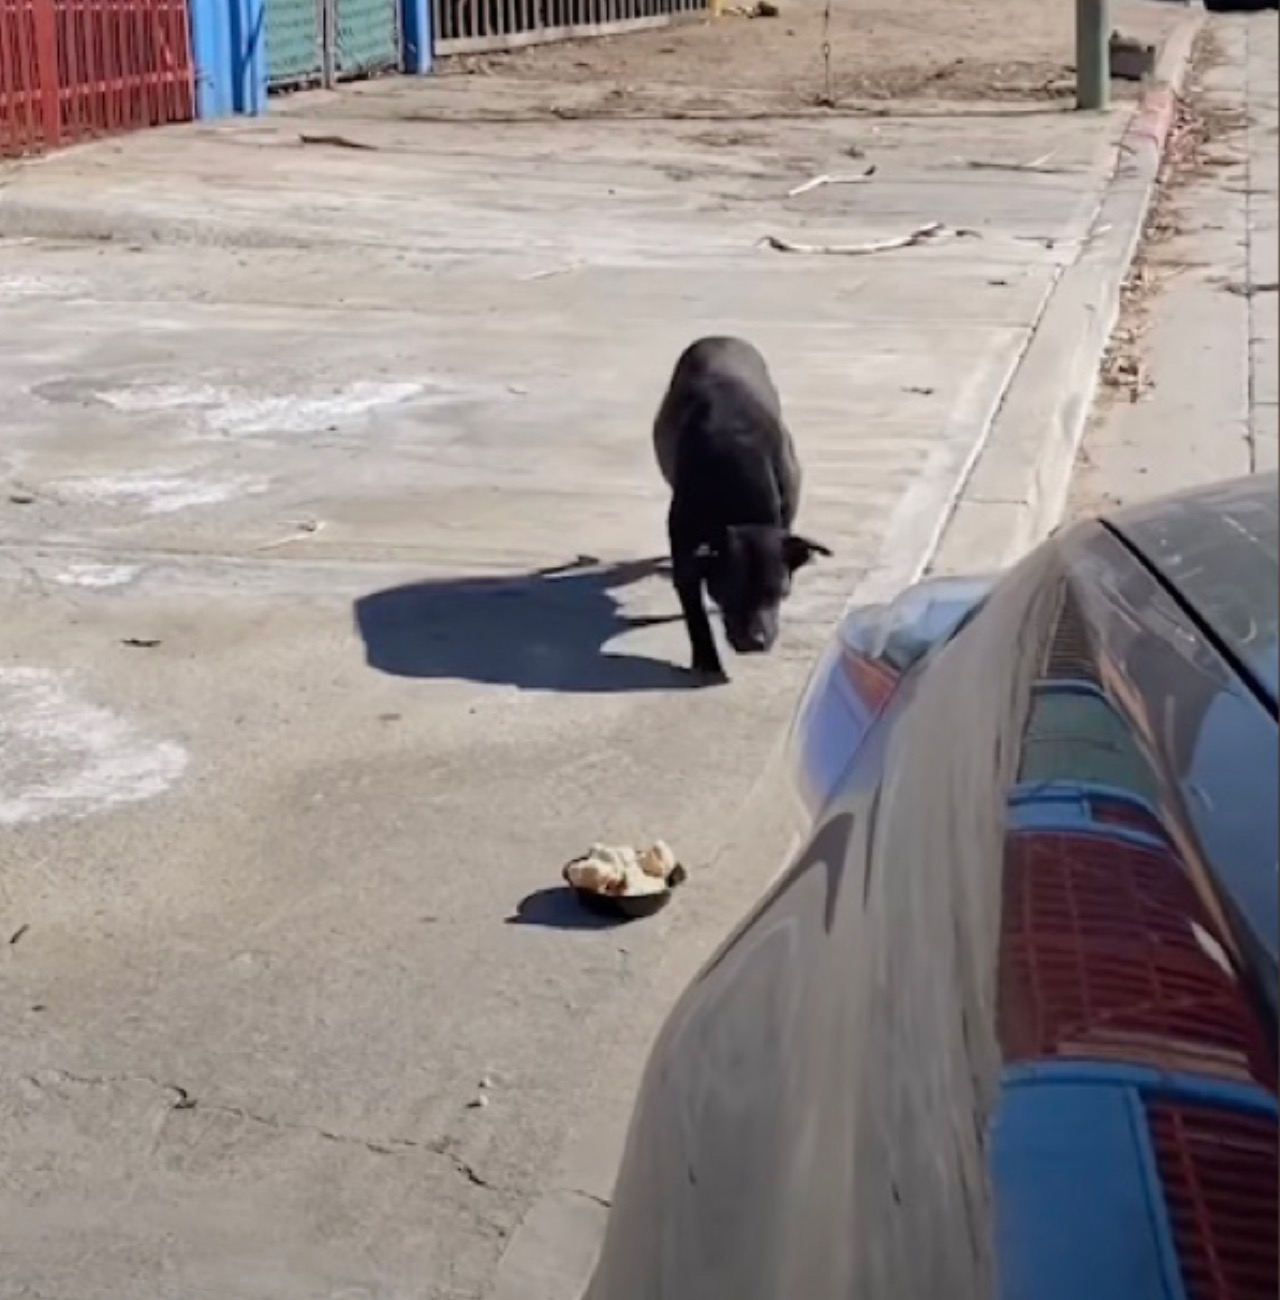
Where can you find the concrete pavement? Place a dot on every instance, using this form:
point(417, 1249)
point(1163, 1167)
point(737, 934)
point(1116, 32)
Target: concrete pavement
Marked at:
point(307, 692)
point(1207, 405)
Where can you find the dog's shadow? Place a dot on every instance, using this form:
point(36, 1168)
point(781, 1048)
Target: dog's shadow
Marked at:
point(545, 630)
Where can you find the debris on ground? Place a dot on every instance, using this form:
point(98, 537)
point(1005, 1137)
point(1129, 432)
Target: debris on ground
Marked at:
point(761, 9)
point(920, 235)
point(1243, 290)
point(336, 141)
point(1131, 60)
point(1040, 165)
point(819, 181)
point(1190, 152)
point(301, 528)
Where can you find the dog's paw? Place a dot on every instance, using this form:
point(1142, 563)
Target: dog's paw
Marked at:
point(709, 673)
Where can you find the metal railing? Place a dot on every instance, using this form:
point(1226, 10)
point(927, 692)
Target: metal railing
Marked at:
point(75, 69)
point(479, 26)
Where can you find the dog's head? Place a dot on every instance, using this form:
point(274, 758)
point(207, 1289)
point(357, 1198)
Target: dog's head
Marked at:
point(748, 575)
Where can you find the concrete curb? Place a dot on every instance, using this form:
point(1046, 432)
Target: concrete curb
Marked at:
point(553, 1251)
point(1017, 489)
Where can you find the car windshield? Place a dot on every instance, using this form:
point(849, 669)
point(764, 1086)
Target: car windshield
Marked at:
point(1220, 550)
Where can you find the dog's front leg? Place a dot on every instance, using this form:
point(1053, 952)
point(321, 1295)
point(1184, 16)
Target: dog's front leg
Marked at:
point(688, 583)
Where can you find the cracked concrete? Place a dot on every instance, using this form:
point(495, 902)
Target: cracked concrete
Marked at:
point(235, 1240)
point(183, 1100)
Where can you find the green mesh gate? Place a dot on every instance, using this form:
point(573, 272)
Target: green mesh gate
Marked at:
point(318, 42)
point(295, 50)
point(368, 37)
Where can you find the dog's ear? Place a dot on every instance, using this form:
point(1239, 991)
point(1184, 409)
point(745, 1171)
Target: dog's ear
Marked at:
point(798, 551)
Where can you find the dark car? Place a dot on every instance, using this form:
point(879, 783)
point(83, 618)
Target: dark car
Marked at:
point(1005, 1024)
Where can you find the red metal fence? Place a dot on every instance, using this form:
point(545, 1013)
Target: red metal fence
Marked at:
point(74, 69)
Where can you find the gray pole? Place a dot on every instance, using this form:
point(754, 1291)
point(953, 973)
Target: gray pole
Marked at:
point(1093, 54)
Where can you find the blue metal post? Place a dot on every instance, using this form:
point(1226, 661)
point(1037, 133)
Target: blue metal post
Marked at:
point(228, 45)
point(415, 24)
point(210, 53)
point(249, 54)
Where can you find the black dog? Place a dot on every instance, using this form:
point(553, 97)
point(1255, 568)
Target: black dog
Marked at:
point(735, 483)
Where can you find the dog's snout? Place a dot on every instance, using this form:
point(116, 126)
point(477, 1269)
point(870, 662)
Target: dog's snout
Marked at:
point(753, 639)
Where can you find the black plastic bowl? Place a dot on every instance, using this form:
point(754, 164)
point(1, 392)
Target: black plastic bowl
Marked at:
point(631, 907)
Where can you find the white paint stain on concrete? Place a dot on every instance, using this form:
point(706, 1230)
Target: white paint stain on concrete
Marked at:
point(97, 576)
point(235, 413)
point(157, 494)
point(61, 756)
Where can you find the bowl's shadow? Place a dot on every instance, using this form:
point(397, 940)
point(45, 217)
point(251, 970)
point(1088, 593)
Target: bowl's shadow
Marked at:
point(559, 908)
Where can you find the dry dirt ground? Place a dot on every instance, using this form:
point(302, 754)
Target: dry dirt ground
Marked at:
point(939, 50)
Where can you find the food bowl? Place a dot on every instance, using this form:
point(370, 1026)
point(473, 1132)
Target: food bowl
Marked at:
point(630, 907)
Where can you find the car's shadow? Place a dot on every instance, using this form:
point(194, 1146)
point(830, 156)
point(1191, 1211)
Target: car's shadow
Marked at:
point(545, 630)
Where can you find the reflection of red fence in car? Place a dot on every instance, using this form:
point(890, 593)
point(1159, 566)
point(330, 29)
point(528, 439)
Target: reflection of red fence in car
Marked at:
point(74, 69)
point(1108, 954)
point(1218, 1171)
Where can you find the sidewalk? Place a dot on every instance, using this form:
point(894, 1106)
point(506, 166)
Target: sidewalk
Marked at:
point(1196, 399)
point(298, 728)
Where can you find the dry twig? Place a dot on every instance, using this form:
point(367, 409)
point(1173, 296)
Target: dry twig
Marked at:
point(1035, 165)
point(303, 528)
point(818, 181)
point(336, 142)
point(921, 235)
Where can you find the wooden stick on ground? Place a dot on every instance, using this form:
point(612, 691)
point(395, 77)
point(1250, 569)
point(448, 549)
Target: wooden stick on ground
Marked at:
point(824, 179)
point(921, 235)
point(1040, 165)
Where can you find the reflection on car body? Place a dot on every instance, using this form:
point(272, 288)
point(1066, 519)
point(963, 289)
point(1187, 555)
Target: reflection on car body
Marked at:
point(1007, 1026)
